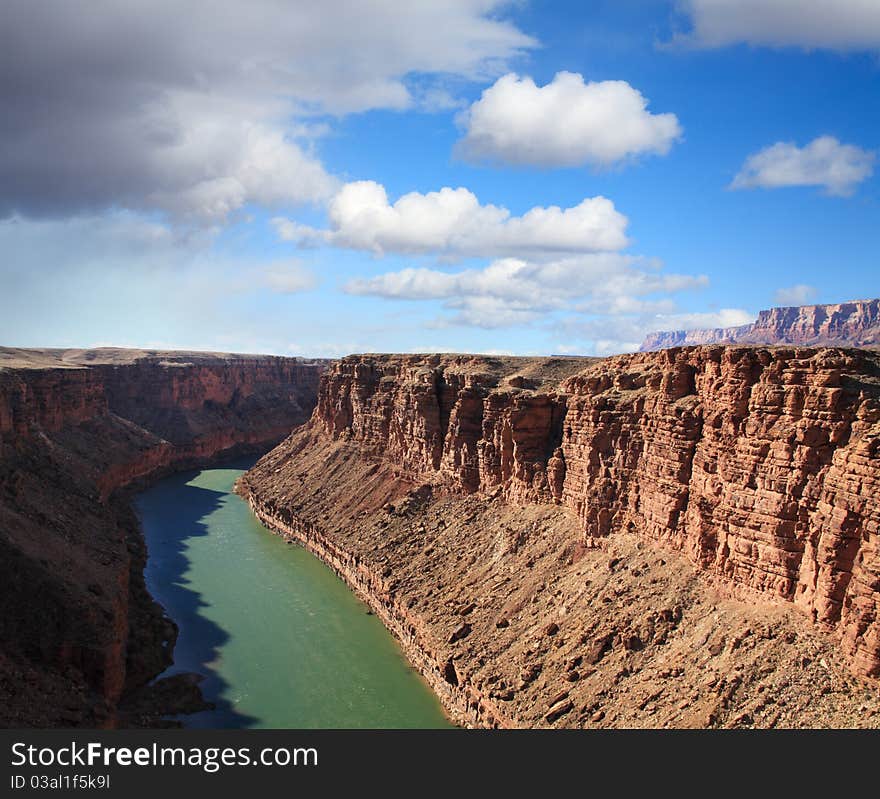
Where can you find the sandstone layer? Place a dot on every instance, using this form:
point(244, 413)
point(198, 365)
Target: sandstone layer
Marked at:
point(678, 538)
point(847, 324)
point(79, 634)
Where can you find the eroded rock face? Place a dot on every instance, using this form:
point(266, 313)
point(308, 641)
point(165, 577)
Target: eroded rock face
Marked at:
point(78, 629)
point(762, 466)
point(848, 324)
point(474, 422)
point(507, 612)
point(49, 399)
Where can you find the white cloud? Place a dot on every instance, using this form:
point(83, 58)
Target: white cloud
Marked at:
point(724, 317)
point(197, 114)
point(487, 312)
point(563, 124)
point(823, 162)
point(513, 291)
point(800, 294)
point(827, 24)
point(624, 304)
point(452, 222)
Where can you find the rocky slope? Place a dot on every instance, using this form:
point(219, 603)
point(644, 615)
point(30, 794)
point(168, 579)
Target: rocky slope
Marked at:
point(678, 538)
point(847, 324)
point(79, 632)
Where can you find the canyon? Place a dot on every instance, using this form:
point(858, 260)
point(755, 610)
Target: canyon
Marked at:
point(81, 640)
point(847, 324)
point(680, 538)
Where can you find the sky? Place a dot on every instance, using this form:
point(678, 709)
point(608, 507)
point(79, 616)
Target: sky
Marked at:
point(317, 179)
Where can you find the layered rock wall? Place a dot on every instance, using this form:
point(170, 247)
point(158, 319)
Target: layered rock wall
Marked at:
point(667, 339)
point(848, 324)
point(77, 617)
point(762, 465)
point(470, 421)
point(49, 399)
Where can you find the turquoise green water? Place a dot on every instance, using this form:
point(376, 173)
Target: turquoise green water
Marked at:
point(281, 640)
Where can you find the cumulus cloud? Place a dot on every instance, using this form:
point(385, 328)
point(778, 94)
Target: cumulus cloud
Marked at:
point(566, 123)
point(512, 291)
point(196, 113)
point(800, 294)
point(827, 24)
point(453, 222)
point(488, 313)
point(839, 168)
point(703, 320)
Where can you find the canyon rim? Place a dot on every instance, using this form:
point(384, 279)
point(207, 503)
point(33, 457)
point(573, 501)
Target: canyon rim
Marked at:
point(684, 538)
point(81, 639)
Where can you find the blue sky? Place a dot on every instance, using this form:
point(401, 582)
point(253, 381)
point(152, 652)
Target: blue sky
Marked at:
point(574, 175)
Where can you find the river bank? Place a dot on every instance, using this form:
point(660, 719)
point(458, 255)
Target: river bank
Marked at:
point(280, 640)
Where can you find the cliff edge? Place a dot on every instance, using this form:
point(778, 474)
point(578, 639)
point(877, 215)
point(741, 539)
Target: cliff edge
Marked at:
point(79, 633)
point(845, 324)
point(517, 522)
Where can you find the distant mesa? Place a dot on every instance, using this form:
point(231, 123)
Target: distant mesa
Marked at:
point(847, 324)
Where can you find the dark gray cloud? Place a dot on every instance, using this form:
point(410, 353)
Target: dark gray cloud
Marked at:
point(191, 108)
point(843, 25)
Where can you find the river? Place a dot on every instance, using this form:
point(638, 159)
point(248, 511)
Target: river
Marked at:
point(281, 640)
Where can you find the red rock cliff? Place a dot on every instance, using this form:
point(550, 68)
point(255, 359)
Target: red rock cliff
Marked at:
point(848, 324)
point(78, 626)
point(762, 465)
point(476, 422)
point(49, 399)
